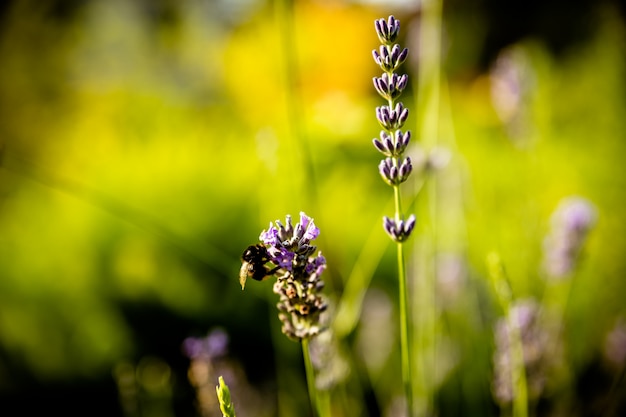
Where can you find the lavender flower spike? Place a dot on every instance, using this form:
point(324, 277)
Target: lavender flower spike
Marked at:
point(395, 168)
point(298, 274)
point(570, 224)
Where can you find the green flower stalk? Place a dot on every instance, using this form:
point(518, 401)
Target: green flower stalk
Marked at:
point(395, 168)
point(510, 381)
point(223, 396)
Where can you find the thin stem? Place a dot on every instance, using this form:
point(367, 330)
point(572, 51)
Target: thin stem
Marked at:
point(404, 332)
point(518, 374)
point(404, 309)
point(404, 313)
point(398, 201)
point(310, 376)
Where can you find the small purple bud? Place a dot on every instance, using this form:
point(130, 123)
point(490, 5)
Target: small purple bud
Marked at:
point(402, 140)
point(385, 168)
point(410, 224)
point(405, 169)
point(402, 112)
point(390, 227)
point(394, 174)
point(402, 82)
point(388, 171)
point(378, 24)
point(402, 57)
point(384, 52)
point(379, 145)
point(381, 86)
point(394, 55)
point(377, 57)
point(388, 143)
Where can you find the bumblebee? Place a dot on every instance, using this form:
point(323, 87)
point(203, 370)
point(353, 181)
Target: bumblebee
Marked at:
point(253, 263)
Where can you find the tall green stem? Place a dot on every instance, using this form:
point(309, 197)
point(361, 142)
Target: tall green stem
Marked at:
point(310, 376)
point(404, 332)
point(403, 295)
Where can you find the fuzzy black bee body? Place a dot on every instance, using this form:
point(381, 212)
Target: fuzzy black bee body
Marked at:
point(253, 266)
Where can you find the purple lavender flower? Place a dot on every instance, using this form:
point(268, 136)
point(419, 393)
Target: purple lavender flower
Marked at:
point(213, 346)
point(299, 275)
point(395, 168)
point(615, 344)
point(526, 315)
point(570, 224)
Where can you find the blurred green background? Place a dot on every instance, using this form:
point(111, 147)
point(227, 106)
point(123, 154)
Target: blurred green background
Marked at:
point(145, 144)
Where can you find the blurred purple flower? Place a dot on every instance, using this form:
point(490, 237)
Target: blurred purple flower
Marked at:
point(213, 346)
point(615, 344)
point(526, 314)
point(570, 224)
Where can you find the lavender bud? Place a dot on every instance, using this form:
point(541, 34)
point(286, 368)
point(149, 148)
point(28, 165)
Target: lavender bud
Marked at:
point(405, 169)
point(381, 30)
point(381, 85)
point(401, 83)
point(390, 227)
point(401, 141)
point(380, 146)
point(402, 56)
point(397, 229)
point(391, 119)
point(385, 170)
point(387, 31)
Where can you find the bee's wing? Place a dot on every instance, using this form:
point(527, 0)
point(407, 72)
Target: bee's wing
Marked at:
point(243, 274)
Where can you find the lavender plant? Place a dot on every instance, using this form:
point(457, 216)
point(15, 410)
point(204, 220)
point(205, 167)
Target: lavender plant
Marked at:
point(298, 271)
point(510, 372)
point(395, 168)
point(524, 319)
point(570, 223)
point(204, 354)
